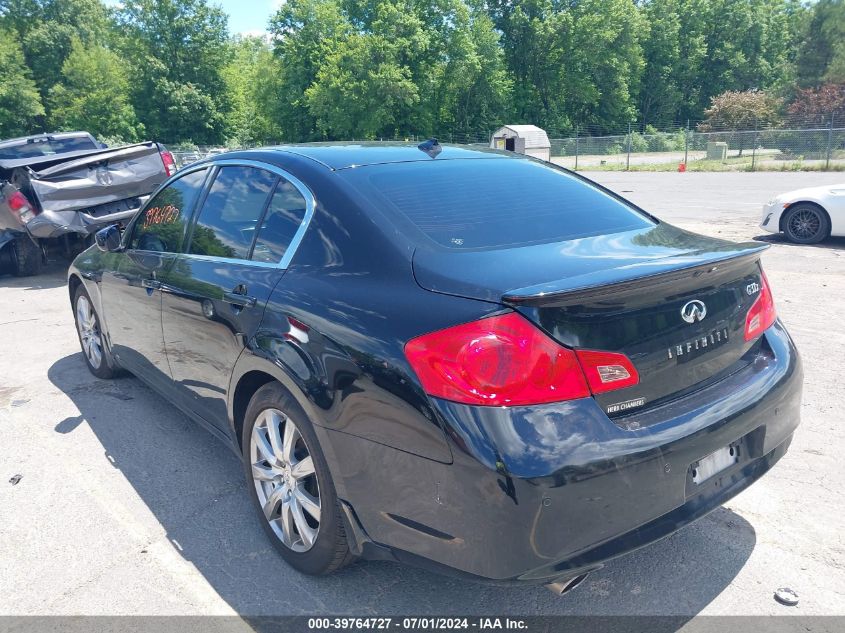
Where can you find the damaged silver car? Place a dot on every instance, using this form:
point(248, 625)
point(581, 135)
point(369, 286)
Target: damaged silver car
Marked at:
point(61, 188)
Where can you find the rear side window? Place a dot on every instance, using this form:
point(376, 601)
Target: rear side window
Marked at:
point(228, 218)
point(161, 226)
point(495, 203)
point(48, 147)
point(284, 215)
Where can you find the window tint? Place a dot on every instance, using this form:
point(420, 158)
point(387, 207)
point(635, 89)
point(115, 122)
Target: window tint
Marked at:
point(161, 227)
point(496, 202)
point(227, 221)
point(284, 215)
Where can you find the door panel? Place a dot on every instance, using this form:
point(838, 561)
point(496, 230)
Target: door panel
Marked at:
point(209, 309)
point(130, 291)
point(214, 295)
point(132, 308)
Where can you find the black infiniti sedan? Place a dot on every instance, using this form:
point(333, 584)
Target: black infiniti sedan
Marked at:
point(467, 360)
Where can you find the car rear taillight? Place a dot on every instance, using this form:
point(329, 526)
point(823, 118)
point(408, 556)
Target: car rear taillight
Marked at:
point(169, 162)
point(20, 206)
point(606, 371)
point(499, 361)
point(507, 361)
point(762, 313)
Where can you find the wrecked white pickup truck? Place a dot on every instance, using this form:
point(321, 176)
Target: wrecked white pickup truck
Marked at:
point(59, 189)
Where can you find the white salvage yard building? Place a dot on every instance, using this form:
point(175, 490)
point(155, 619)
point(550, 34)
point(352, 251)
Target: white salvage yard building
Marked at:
point(522, 139)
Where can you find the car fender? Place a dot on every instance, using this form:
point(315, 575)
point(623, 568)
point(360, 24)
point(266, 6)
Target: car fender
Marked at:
point(256, 360)
point(84, 271)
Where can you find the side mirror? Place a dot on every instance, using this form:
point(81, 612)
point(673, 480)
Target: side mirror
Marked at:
point(108, 239)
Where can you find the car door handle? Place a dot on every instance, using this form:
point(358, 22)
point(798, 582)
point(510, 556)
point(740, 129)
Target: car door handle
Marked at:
point(151, 284)
point(242, 301)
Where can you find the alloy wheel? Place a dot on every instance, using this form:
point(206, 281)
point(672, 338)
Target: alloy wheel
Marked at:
point(804, 224)
point(89, 331)
point(285, 480)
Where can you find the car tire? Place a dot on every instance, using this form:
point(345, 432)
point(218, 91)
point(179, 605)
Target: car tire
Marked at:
point(97, 356)
point(806, 224)
point(290, 484)
point(27, 257)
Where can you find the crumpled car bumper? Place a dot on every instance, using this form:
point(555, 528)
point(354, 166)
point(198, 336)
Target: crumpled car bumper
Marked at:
point(56, 223)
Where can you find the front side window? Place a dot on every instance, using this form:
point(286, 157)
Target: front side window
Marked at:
point(161, 226)
point(231, 211)
point(283, 218)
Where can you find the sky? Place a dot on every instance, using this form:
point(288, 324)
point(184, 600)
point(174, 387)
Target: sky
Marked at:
point(248, 16)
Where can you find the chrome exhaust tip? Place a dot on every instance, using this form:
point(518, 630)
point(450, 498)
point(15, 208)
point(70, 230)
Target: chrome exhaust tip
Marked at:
point(566, 585)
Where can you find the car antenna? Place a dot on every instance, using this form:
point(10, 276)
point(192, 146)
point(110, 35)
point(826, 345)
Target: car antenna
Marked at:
point(431, 147)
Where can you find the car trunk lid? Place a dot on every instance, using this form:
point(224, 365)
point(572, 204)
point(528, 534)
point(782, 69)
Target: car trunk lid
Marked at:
point(625, 293)
point(62, 183)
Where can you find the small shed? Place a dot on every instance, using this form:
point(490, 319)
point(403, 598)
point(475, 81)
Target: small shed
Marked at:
point(523, 139)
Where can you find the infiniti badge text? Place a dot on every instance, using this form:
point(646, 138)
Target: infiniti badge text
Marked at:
point(708, 341)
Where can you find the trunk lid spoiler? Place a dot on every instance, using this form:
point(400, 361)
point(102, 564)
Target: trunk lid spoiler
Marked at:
point(638, 274)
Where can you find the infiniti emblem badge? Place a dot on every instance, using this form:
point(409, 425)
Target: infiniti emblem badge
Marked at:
point(104, 176)
point(694, 311)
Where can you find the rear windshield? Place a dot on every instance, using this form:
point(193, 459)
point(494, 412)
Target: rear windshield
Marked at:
point(472, 204)
point(47, 147)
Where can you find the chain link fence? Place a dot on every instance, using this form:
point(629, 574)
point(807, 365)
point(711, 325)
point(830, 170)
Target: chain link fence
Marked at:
point(808, 143)
point(798, 144)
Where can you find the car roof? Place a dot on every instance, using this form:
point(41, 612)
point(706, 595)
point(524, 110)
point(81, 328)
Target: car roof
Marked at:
point(338, 156)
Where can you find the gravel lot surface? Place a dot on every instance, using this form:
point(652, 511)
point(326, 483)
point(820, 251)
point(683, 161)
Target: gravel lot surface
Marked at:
point(125, 507)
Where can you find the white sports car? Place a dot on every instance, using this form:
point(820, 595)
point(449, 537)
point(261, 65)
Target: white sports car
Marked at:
point(807, 216)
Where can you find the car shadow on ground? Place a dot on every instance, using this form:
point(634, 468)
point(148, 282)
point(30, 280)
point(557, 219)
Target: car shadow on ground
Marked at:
point(53, 275)
point(831, 243)
point(194, 486)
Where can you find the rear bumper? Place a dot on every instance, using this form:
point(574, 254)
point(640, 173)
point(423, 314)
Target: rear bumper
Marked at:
point(51, 224)
point(539, 493)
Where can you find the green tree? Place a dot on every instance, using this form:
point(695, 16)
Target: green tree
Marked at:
point(47, 30)
point(572, 63)
point(253, 80)
point(361, 88)
point(751, 45)
point(178, 49)
point(306, 33)
point(94, 95)
point(822, 54)
point(606, 42)
point(661, 94)
point(477, 88)
point(534, 35)
point(20, 103)
point(374, 68)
